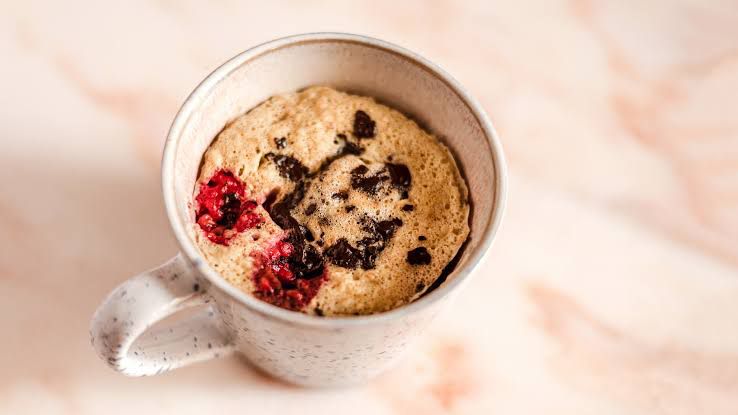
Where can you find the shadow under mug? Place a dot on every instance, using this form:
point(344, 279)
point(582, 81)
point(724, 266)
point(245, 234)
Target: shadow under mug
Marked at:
point(131, 331)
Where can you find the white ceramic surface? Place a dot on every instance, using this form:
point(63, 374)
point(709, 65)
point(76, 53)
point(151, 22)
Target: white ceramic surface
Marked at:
point(298, 348)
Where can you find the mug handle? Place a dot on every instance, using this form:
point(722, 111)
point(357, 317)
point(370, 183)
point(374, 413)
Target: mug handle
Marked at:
point(122, 333)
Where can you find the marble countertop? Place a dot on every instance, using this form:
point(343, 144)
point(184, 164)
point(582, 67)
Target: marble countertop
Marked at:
point(610, 289)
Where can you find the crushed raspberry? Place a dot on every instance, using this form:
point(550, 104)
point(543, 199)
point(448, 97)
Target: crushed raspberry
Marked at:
point(277, 284)
point(288, 273)
point(223, 209)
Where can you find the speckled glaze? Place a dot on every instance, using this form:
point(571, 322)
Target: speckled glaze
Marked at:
point(130, 330)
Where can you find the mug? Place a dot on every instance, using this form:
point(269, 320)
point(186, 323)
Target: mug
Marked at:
point(184, 312)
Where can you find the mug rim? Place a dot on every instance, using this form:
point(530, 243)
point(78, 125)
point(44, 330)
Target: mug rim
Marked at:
point(194, 257)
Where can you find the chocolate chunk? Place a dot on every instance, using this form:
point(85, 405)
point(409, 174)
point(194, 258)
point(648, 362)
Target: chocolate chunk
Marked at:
point(384, 229)
point(419, 287)
point(408, 208)
point(368, 184)
point(366, 251)
point(231, 210)
point(343, 195)
point(418, 256)
point(422, 238)
point(306, 233)
point(228, 220)
point(310, 209)
point(281, 142)
point(397, 174)
point(319, 312)
point(350, 208)
point(352, 148)
point(349, 147)
point(363, 125)
point(379, 233)
point(343, 254)
point(361, 170)
point(400, 176)
point(270, 199)
point(305, 262)
point(288, 166)
point(448, 269)
point(370, 250)
point(230, 203)
point(280, 212)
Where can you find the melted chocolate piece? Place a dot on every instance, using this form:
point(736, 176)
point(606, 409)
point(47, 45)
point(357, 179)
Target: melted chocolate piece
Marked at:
point(309, 264)
point(270, 199)
point(349, 147)
point(350, 208)
point(422, 238)
point(365, 254)
point(384, 229)
point(305, 261)
point(400, 176)
point(231, 210)
point(310, 209)
point(418, 256)
point(419, 287)
point(368, 184)
point(340, 195)
point(343, 254)
point(448, 269)
point(306, 233)
point(363, 125)
point(397, 174)
point(408, 208)
point(280, 211)
point(280, 142)
point(352, 148)
point(370, 248)
point(360, 170)
point(288, 166)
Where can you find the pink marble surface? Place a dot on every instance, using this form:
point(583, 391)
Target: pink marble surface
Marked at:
point(611, 288)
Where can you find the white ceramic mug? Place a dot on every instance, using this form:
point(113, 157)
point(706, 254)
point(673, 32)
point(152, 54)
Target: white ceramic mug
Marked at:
point(131, 331)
